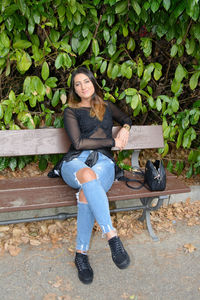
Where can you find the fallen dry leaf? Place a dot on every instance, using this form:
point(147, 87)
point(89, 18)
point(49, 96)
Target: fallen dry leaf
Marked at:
point(4, 228)
point(34, 242)
point(49, 297)
point(14, 250)
point(58, 282)
point(189, 248)
point(59, 232)
point(65, 297)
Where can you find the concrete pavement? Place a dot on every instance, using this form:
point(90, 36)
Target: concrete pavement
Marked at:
point(164, 270)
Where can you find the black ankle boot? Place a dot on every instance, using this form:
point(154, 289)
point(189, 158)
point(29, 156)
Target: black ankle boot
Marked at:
point(119, 254)
point(85, 272)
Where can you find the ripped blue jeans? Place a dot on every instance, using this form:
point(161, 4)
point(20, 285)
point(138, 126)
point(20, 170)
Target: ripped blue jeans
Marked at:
point(97, 206)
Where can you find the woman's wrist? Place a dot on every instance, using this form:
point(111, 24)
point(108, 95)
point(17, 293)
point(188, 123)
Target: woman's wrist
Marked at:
point(127, 127)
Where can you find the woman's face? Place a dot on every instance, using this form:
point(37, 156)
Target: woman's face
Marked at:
point(83, 87)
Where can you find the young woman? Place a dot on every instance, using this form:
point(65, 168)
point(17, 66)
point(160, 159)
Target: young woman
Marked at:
point(89, 166)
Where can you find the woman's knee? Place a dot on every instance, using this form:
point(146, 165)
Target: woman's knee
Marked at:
point(85, 174)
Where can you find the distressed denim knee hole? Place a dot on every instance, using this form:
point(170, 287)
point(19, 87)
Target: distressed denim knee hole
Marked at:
point(77, 179)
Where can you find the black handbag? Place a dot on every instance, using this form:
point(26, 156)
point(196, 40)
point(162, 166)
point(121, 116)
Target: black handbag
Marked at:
point(155, 176)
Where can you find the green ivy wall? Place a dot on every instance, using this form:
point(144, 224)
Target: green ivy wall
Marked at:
point(145, 54)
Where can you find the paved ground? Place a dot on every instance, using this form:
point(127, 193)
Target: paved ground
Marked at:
point(159, 271)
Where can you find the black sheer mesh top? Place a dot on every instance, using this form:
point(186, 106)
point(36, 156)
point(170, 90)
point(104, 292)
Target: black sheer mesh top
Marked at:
point(86, 132)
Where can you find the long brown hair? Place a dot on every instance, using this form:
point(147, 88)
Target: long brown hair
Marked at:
point(98, 106)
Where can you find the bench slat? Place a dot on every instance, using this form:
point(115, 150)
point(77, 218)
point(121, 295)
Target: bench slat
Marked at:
point(43, 192)
point(55, 140)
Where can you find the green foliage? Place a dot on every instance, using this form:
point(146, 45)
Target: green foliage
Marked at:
point(145, 53)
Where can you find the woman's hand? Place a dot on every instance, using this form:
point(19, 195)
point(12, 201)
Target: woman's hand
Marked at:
point(122, 138)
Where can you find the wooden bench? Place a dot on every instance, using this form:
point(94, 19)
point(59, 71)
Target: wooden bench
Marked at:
point(21, 194)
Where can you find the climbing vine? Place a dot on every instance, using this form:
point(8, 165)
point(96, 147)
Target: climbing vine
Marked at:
point(145, 55)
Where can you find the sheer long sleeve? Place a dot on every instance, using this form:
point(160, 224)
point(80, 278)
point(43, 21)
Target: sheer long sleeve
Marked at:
point(81, 139)
point(119, 116)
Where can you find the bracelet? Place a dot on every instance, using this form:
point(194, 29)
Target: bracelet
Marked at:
point(127, 127)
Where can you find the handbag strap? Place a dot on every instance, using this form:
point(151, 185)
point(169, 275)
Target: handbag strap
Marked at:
point(128, 180)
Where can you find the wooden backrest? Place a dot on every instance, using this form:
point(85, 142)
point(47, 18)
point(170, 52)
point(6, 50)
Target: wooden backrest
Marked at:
point(55, 140)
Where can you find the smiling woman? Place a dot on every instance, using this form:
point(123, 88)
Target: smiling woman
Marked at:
point(89, 165)
point(85, 92)
point(84, 89)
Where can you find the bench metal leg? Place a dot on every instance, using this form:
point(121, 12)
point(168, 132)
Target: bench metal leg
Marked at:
point(135, 158)
point(149, 227)
point(147, 216)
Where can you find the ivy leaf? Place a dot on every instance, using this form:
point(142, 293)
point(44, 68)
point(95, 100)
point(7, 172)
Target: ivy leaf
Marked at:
point(75, 44)
point(115, 71)
point(111, 49)
point(48, 119)
point(4, 39)
point(134, 101)
point(12, 96)
point(55, 99)
point(43, 163)
point(125, 31)
point(154, 5)
point(85, 31)
point(67, 60)
point(146, 45)
point(147, 72)
point(192, 9)
point(103, 67)
point(36, 17)
point(179, 139)
point(170, 166)
point(21, 162)
point(158, 71)
point(194, 80)
point(54, 35)
point(166, 132)
point(8, 114)
point(95, 47)
point(158, 104)
point(174, 50)
point(4, 161)
point(130, 92)
point(131, 44)
point(106, 34)
point(140, 67)
point(1, 111)
point(179, 167)
point(129, 72)
point(77, 18)
point(180, 73)
point(166, 4)
point(37, 87)
point(45, 71)
point(136, 7)
point(189, 172)
point(83, 46)
point(121, 7)
point(22, 6)
point(175, 86)
point(190, 46)
point(51, 82)
point(33, 101)
point(166, 149)
point(188, 137)
point(59, 61)
point(24, 63)
point(175, 104)
point(13, 163)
